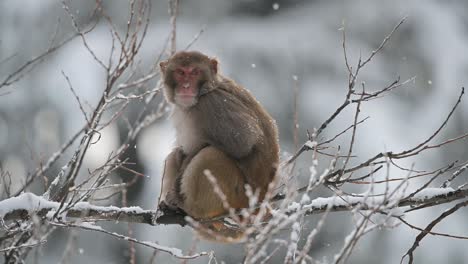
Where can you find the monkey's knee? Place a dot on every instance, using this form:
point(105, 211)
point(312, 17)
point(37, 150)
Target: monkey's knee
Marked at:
point(200, 198)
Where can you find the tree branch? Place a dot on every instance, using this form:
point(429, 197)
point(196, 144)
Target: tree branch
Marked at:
point(14, 209)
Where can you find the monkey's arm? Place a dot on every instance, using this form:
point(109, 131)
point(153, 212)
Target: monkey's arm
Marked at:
point(233, 127)
point(169, 195)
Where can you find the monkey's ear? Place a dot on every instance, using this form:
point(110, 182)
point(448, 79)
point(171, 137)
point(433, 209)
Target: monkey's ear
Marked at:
point(214, 65)
point(163, 66)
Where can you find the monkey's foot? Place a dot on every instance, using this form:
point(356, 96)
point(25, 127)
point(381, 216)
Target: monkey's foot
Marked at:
point(170, 215)
point(168, 209)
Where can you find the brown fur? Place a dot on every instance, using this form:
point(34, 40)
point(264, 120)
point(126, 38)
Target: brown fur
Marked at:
point(227, 132)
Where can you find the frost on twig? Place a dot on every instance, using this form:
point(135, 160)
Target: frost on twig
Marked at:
point(92, 227)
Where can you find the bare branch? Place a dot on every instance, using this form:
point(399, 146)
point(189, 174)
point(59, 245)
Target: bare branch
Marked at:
point(382, 44)
point(172, 251)
point(76, 97)
point(173, 11)
point(25, 245)
point(29, 65)
point(429, 227)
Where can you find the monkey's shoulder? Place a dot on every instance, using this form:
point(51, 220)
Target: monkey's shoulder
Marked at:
point(229, 91)
point(228, 84)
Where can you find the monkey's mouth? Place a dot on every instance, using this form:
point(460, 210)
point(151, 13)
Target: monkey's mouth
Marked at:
point(185, 100)
point(186, 94)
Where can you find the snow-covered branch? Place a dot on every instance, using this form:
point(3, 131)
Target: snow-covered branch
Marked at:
point(29, 204)
point(427, 197)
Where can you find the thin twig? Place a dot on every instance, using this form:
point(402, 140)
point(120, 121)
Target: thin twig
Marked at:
point(428, 228)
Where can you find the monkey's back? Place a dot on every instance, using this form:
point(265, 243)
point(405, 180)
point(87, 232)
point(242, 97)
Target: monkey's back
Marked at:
point(242, 128)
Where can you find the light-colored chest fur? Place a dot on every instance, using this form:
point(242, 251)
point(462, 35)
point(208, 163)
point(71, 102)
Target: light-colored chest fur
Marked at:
point(187, 135)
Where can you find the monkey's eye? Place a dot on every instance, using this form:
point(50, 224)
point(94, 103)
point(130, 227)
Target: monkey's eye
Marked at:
point(195, 72)
point(180, 72)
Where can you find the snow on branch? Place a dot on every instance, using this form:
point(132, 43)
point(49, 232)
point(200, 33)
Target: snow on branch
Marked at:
point(430, 196)
point(29, 204)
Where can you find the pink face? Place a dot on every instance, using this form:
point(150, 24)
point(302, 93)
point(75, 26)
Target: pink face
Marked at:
point(186, 90)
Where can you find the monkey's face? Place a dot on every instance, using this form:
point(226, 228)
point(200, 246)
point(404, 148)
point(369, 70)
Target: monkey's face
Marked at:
point(186, 85)
point(187, 76)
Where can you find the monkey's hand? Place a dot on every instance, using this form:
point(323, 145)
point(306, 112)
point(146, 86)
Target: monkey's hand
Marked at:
point(169, 188)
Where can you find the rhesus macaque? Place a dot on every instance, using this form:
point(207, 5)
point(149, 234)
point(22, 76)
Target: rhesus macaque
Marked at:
point(220, 127)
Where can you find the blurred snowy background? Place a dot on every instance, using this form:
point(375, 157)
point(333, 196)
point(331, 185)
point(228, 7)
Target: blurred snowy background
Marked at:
point(261, 44)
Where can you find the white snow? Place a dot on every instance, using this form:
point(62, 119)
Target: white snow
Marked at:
point(90, 226)
point(396, 211)
point(431, 192)
point(25, 201)
point(32, 202)
point(322, 202)
point(305, 198)
point(296, 227)
point(311, 144)
point(294, 206)
point(110, 208)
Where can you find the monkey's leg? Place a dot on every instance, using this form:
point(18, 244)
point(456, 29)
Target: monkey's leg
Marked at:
point(200, 199)
point(169, 196)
